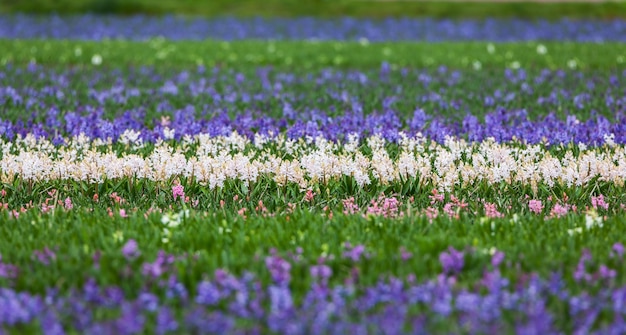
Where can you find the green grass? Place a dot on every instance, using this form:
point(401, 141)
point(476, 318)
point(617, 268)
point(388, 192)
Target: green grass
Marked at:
point(222, 239)
point(323, 8)
point(313, 55)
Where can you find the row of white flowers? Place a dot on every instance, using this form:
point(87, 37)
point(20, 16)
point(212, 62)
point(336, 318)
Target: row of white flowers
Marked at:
point(213, 160)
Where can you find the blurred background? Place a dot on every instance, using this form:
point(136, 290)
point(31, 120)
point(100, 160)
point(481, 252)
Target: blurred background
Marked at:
point(538, 9)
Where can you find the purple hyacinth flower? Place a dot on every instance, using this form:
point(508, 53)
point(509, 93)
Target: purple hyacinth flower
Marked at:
point(130, 250)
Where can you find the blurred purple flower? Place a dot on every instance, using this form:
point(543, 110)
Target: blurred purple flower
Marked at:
point(165, 321)
point(354, 253)
point(130, 250)
point(279, 269)
point(618, 248)
point(207, 294)
point(321, 272)
point(452, 261)
point(497, 258)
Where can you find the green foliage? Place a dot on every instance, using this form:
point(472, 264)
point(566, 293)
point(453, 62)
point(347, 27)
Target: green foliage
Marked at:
point(310, 56)
point(223, 239)
point(324, 8)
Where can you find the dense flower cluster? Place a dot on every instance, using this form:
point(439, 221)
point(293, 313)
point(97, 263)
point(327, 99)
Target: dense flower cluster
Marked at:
point(213, 160)
point(390, 306)
point(141, 27)
point(577, 107)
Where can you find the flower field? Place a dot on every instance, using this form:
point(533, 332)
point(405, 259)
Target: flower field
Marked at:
point(312, 176)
